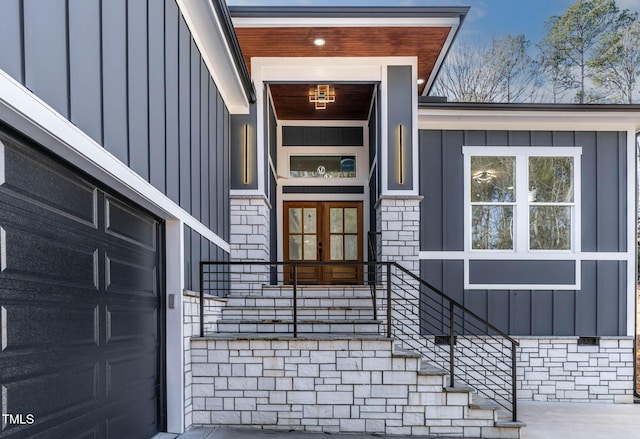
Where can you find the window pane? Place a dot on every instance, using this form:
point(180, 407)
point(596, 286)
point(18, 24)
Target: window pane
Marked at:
point(493, 179)
point(310, 253)
point(295, 220)
point(336, 248)
point(317, 166)
point(350, 220)
point(351, 247)
point(550, 228)
point(335, 220)
point(551, 179)
point(492, 227)
point(310, 220)
point(295, 248)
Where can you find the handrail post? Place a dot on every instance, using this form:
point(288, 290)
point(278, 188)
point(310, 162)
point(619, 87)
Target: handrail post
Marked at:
point(388, 300)
point(201, 299)
point(451, 345)
point(373, 290)
point(514, 382)
point(295, 301)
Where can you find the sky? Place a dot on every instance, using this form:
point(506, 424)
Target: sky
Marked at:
point(487, 18)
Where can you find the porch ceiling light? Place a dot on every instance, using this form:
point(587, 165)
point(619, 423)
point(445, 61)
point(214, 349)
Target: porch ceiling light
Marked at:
point(322, 96)
point(319, 42)
point(420, 81)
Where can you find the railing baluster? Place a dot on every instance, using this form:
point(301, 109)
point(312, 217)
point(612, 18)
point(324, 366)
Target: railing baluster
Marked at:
point(202, 299)
point(514, 410)
point(295, 300)
point(451, 346)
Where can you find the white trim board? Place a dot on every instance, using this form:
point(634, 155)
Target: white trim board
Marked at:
point(206, 30)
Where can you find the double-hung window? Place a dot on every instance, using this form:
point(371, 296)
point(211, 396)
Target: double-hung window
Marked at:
point(522, 200)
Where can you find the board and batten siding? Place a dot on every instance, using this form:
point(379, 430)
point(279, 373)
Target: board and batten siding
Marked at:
point(599, 307)
point(129, 75)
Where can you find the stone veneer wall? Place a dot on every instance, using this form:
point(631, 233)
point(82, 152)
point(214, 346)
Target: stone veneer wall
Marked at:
point(548, 369)
point(191, 325)
point(332, 385)
point(558, 369)
point(249, 232)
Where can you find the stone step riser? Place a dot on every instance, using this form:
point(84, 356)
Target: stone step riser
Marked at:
point(304, 313)
point(310, 292)
point(302, 302)
point(306, 328)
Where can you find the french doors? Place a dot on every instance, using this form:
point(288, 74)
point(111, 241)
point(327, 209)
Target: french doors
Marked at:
point(324, 232)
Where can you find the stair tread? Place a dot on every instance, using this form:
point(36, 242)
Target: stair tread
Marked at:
point(406, 353)
point(513, 424)
point(427, 368)
point(484, 404)
point(332, 321)
point(460, 389)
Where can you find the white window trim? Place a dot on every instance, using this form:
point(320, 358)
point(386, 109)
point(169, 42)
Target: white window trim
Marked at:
point(521, 249)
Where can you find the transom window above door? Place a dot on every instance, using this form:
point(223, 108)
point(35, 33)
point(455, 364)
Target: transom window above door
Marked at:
point(521, 199)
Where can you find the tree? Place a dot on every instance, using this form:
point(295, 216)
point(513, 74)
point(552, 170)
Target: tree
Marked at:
point(515, 69)
point(572, 38)
point(616, 65)
point(500, 72)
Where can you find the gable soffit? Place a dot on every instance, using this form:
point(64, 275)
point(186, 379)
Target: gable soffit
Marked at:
point(422, 32)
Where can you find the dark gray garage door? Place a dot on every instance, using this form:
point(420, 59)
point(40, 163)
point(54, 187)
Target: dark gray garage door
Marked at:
point(80, 314)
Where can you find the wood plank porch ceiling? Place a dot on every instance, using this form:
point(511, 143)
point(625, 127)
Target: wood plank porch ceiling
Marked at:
point(425, 43)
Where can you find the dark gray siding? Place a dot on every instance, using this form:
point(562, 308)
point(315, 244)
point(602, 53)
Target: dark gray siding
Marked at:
point(196, 249)
point(599, 308)
point(129, 75)
point(322, 136)
point(400, 112)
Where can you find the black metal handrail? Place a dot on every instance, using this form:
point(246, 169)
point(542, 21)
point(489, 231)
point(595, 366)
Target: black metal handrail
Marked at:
point(417, 313)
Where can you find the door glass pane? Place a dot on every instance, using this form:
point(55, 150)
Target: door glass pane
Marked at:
point(350, 220)
point(492, 227)
point(335, 220)
point(336, 248)
point(310, 253)
point(351, 247)
point(295, 220)
point(551, 179)
point(295, 247)
point(493, 179)
point(550, 228)
point(310, 220)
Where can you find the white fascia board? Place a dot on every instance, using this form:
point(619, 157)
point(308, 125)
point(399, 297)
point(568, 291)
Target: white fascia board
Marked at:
point(443, 54)
point(19, 106)
point(206, 30)
point(262, 22)
point(481, 119)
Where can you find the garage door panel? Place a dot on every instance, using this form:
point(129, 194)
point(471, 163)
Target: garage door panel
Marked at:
point(131, 325)
point(80, 315)
point(124, 276)
point(131, 375)
point(30, 327)
point(137, 423)
point(54, 395)
point(47, 184)
point(44, 258)
point(125, 223)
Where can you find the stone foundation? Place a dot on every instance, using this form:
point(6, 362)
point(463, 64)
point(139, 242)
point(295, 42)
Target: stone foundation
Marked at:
point(558, 369)
point(249, 232)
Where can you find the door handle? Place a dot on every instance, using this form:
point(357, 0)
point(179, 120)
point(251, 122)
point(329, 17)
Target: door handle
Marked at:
point(320, 250)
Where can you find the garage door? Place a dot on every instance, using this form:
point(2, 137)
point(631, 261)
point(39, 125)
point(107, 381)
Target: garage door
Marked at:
point(80, 314)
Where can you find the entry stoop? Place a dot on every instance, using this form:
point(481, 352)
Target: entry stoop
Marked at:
point(339, 375)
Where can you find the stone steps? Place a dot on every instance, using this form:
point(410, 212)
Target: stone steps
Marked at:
point(304, 312)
